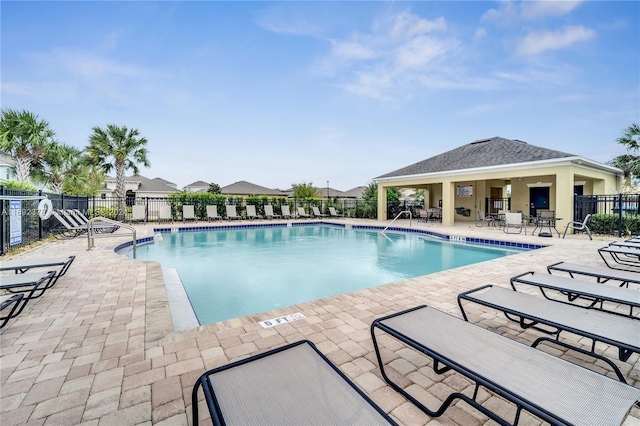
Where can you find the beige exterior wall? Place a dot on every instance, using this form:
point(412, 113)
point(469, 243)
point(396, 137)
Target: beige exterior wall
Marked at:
point(559, 178)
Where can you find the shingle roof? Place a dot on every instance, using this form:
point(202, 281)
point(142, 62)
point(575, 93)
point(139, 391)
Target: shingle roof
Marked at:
point(198, 184)
point(354, 192)
point(481, 153)
point(149, 185)
point(248, 188)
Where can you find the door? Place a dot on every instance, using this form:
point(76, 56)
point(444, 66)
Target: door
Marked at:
point(538, 199)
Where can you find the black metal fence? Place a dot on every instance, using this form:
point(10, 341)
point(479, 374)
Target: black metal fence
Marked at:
point(617, 214)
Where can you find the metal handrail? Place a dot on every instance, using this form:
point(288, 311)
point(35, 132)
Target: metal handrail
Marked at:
point(396, 218)
point(91, 234)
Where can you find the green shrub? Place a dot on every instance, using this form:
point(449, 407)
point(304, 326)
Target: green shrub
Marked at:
point(108, 212)
point(608, 224)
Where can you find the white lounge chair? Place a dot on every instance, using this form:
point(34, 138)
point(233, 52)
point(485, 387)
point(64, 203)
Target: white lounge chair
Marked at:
point(286, 213)
point(316, 212)
point(251, 212)
point(231, 212)
point(302, 213)
point(188, 213)
point(268, 212)
point(334, 213)
point(212, 213)
point(138, 213)
point(164, 213)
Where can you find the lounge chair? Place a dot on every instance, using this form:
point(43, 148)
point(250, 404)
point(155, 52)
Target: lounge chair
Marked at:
point(251, 212)
point(550, 388)
point(286, 213)
point(620, 257)
point(514, 221)
point(627, 244)
point(231, 212)
point(481, 219)
point(68, 231)
point(23, 288)
point(316, 212)
point(21, 266)
point(602, 275)
point(81, 219)
point(334, 213)
point(575, 289)
point(164, 213)
point(531, 312)
point(292, 385)
point(212, 213)
point(578, 226)
point(138, 213)
point(188, 214)
point(268, 212)
point(302, 213)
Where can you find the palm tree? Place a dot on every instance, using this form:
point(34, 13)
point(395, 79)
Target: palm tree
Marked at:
point(25, 138)
point(60, 163)
point(117, 148)
point(629, 163)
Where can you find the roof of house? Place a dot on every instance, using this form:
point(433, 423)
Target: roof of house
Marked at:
point(7, 160)
point(354, 192)
point(481, 153)
point(149, 185)
point(248, 188)
point(198, 184)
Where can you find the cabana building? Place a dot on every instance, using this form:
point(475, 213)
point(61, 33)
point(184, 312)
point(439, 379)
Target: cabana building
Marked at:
point(494, 174)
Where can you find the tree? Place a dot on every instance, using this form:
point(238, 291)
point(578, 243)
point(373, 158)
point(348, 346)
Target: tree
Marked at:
point(25, 138)
point(60, 163)
point(121, 149)
point(304, 191)
point(629, 163)
point(370, 193)
point(85, 179)
point(214, 188)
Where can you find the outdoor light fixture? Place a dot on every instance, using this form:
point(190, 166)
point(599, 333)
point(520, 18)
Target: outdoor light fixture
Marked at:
point(327, 190)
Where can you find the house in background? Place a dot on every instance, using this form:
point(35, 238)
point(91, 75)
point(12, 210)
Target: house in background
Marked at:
point(7, 168)
point(198, 186)
point(139, 186)
point(475, 177)
point(244, 189)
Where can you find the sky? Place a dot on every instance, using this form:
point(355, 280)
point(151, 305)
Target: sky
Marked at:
point(280, 93)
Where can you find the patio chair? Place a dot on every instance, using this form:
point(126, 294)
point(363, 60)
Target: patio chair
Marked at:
point(293, 385)
point(553, 389)
point(138, 213)
point(481, 219)
point(316, 212)
point(602, 275)
point(268, 212)
point(334, 213)
point(212, 213)
point(164, 213)
point(624, 258)
point(435, 214)
point(251, 212)
point(22, 288)
point(575, 289)
point(231, 212)
point(286, 213)
point(578, 226)
point(514, 221)
point(531, 312)
point(302, 213)
point(68, 231)
point(188, 213)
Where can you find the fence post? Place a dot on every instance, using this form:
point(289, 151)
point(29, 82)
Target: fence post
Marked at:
point(39, 219)
point(2, 223)
point(620, 215)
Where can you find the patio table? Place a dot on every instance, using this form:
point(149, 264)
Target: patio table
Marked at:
point(546, 222)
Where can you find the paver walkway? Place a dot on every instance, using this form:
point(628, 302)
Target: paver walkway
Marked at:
point(99, 348)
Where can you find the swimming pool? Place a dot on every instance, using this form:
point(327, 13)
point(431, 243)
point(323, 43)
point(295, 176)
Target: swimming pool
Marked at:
point(242, 271)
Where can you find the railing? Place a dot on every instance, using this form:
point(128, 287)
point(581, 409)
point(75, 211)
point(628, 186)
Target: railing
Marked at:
point(615, 214)
point(91, 231)
point(396, 218)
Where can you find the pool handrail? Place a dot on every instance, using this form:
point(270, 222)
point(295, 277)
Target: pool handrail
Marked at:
point(396, 218)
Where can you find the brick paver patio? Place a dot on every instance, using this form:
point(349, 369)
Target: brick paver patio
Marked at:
point(99, 348)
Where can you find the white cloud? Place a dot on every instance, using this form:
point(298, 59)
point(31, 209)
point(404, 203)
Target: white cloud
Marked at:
point(352, 50)
point(478, 109)
point(422, 51)
point(511, 12)
point(538, 42)
point(409, 25)
point(479, 34)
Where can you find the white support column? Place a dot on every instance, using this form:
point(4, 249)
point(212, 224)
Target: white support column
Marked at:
point(382, 202)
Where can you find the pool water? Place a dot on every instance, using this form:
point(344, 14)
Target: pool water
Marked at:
point(239, 272)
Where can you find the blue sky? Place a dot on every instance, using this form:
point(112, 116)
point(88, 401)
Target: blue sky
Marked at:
point(289, 92)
